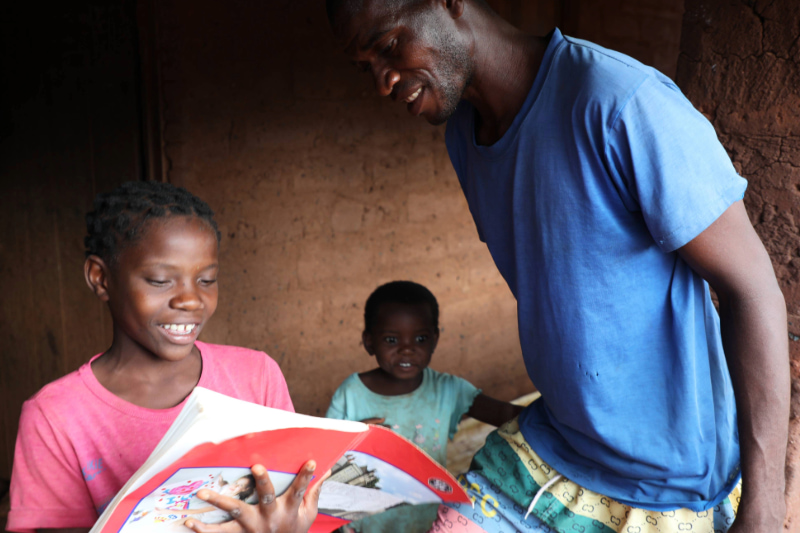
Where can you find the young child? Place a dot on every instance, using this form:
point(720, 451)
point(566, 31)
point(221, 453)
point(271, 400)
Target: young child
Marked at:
point(151, 255)
point(401, 329)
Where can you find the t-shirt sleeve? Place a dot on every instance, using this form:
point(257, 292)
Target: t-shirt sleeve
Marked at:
point(47, 486)
point(666, 160)
point(463, 393)
point(338, 406)
point(277, 390)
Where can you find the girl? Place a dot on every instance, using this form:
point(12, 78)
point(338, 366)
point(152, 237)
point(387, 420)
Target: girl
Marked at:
point(151, 255)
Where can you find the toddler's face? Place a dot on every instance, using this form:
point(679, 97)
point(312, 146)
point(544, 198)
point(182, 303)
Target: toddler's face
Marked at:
point(402, 339)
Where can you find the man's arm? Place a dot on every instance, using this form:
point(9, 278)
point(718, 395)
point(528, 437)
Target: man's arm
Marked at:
point(731, 257)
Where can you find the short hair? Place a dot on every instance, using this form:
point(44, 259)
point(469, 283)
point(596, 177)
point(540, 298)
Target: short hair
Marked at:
point(119, 216)
point(400, 292)
point(335, 7)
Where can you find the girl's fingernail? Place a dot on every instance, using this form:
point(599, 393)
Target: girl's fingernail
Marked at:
point(189, 524)
point(312, 466)
point(258, 470)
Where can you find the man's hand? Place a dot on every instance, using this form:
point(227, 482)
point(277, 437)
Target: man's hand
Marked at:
point(293, 512)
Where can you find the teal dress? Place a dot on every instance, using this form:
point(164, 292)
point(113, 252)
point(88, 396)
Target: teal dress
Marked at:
point(428, 417)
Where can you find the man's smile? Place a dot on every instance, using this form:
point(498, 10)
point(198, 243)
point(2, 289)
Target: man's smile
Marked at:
point(413, 96)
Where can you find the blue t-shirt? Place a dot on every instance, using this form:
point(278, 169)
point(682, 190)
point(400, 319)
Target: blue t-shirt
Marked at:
point(606, 170)
point(428, 417)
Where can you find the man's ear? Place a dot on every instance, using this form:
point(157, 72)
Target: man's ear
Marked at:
point(95, 271)
point(455, 7)
point(366, 338)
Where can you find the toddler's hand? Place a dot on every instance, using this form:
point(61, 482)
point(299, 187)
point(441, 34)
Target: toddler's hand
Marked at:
point(376, 421)
point(293, 512)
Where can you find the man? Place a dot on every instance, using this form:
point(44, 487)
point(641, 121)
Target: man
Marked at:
point(607, 203)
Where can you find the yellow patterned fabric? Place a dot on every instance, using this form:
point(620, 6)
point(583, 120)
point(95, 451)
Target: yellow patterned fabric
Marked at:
point(614, 515)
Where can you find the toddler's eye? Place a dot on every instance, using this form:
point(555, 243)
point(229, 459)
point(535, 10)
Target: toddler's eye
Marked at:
point(421, 338)
point(390, 340)
point(157, 282)
point(208, 281)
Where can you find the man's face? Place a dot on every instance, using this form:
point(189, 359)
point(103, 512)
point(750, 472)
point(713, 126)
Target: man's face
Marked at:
point(413, 53)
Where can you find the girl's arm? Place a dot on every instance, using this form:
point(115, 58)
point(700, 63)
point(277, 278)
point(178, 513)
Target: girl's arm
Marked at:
point(67, 530)
point(494, 412)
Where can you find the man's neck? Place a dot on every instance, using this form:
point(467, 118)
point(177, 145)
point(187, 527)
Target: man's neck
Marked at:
point(506, 63)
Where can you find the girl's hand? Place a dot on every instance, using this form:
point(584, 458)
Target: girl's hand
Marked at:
point(293, 512)
point(376, 421)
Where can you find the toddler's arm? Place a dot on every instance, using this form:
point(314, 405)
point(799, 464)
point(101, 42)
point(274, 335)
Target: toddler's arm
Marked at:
point(493, 412)
point(68, 530)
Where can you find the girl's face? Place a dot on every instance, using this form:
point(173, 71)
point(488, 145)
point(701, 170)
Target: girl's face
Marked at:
point(163, 288)
point(402, 339)
point(240, 485)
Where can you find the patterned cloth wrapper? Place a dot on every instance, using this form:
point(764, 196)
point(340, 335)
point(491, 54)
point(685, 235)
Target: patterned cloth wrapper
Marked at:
point(506, 475)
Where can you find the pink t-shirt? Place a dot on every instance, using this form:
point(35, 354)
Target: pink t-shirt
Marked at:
point(78, 443)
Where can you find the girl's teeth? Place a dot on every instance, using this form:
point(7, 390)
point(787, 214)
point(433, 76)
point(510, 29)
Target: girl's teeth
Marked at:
point(180, 328)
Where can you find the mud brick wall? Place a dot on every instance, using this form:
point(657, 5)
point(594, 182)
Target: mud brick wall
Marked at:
point(740, 65)
point(323, 191)
point(648, 30)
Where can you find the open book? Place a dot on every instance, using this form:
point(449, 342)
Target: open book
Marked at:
point(215, 439)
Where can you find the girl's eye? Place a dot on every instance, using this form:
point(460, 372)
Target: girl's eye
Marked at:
point(421, 338)
point(157, 282)
point(390, 340)
point(208, 281)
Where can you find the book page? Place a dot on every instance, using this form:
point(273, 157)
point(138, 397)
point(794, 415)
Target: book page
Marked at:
point(211, 417)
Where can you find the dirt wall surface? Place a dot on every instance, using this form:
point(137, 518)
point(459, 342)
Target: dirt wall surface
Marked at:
point(740, 65)
point(648, 30)
point(323, 190)
point(68, 130)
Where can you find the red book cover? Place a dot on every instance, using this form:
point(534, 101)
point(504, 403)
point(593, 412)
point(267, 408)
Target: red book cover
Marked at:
point(373, 469)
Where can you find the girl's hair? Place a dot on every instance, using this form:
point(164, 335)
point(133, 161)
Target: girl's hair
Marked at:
point(119, 216)
point(251, 488)
point(400, 292)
